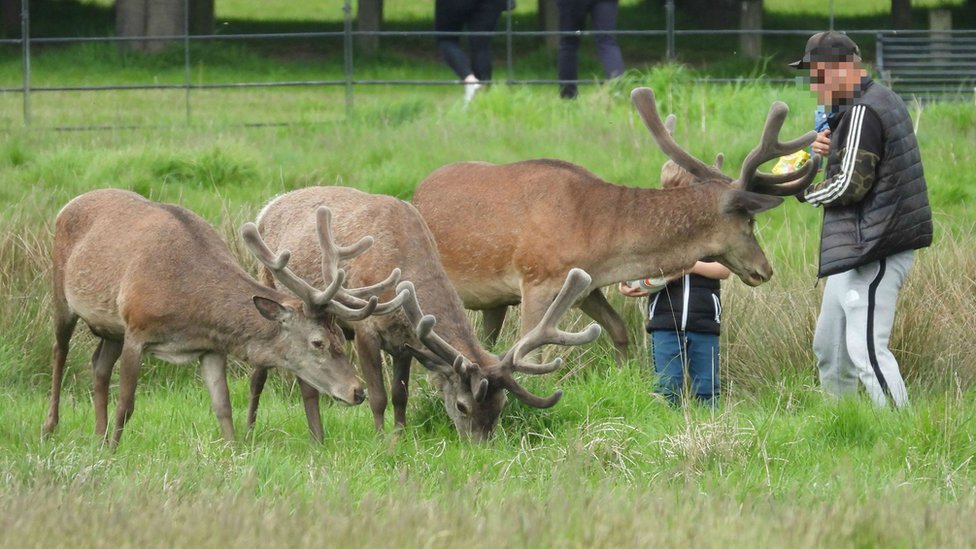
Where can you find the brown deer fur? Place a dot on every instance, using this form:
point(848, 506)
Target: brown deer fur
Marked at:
point(156, 279)
point(474, 392)
point(508, 233)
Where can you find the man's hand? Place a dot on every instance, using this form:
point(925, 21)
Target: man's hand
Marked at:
point(630, 291)
point(822, 145)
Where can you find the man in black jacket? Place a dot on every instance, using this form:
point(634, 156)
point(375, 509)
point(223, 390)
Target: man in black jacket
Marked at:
point(876, 214)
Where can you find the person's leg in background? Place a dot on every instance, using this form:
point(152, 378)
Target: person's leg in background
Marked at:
point(604, 14)
point(668, 351)
point(483, 18)
point(572, 17)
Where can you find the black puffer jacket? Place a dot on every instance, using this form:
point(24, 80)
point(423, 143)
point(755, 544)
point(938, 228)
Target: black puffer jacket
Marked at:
point(894, 216)
point(695, 295)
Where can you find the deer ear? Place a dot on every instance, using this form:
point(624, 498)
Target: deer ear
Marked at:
point(270, 309)
point(749, 203)
point(479, 385)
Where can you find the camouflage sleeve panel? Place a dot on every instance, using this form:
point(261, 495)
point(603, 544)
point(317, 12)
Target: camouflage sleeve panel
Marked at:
point(855, 150)
point(859, 181)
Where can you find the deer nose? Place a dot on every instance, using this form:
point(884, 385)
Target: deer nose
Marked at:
point(358, 396)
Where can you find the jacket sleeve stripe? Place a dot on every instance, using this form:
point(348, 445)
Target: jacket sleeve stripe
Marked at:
point(843, 179)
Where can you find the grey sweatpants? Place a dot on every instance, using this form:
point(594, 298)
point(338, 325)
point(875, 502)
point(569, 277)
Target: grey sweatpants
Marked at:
point(851, 341)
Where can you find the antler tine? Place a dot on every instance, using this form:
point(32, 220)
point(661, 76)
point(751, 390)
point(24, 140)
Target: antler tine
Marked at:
point(643, 99)
point(312, 297)
point(799, 180)
point(770, 147)
point(547, 332)
point(359, 297)
point(323, 218)
point(330, 251)
point(380, 287)
point(424, 326)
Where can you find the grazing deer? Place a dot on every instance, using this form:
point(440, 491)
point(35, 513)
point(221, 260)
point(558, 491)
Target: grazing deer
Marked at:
point(156, 279)
point(472, 381)
point(508, 233)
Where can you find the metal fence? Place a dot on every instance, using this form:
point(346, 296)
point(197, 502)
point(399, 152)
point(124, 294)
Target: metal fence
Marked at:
point(349, 80)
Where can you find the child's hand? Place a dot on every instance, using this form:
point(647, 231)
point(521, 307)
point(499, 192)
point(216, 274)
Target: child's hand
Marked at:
point(822, 145)
point(631, 291)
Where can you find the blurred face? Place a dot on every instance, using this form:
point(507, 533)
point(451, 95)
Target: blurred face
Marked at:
point(835, 82)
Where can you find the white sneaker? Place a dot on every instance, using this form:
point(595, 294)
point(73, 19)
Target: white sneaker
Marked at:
point(471, 85)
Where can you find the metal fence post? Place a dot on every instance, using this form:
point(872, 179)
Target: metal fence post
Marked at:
point(186, 59)
point(25, 52)
point(508, 41)
point(347, 53)
point(669, 24)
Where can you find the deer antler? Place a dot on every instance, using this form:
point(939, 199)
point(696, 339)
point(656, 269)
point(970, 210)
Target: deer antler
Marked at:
point(643, 99)
point(349, 300)
point(424, 326)
point(344, 304)
point(770, 147)
point(750, 178)
point(441, 350)
point(546, 332)
point(278, 264)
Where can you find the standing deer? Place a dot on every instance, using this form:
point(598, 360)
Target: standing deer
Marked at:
point(472, 381)
point(156, 279)
point(508, 233)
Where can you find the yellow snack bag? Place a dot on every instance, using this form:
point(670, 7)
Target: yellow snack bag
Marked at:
point(791, 162)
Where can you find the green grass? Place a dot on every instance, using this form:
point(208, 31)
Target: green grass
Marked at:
point(609, 464)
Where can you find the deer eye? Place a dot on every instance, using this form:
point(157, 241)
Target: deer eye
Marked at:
point(318, 344)
point(462, 407)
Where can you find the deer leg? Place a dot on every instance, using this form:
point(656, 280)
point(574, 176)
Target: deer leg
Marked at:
point(371, 363)
point(399, 385)
point(493, 320)
point(213, 367)
point(64, 326)
point(258, 378)
point(596, 306)
point(128, 377)
point(103, 360)
point(310, 397)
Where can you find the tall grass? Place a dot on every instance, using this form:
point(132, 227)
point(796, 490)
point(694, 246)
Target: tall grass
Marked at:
point(611, 463)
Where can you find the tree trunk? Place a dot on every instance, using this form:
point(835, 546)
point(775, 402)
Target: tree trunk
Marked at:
point(10, 18)
point(369, 17)
point(901, 14)
point(130, 20)
point(149, 18)
point(165, 18)
point(201, 16)
point(549, 21)
point(751, 19)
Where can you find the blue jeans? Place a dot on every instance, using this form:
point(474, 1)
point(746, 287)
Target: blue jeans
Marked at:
point(675, 352)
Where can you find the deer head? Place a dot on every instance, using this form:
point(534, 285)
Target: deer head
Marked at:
point(739, 200)
point(475, 393)
point(319, 357)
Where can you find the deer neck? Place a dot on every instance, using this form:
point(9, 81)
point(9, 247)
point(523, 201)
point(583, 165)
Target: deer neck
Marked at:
point(652, 232)
point(235, 327)
point(439, 298)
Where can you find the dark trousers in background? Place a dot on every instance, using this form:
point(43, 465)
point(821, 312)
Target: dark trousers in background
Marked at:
point(477, 16)
point(572, 17)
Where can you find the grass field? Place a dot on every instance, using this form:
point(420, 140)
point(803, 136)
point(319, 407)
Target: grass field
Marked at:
point(776, 465)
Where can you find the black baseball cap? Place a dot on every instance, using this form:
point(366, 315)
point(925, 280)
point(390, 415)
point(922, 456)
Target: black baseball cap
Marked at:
point(828, 46)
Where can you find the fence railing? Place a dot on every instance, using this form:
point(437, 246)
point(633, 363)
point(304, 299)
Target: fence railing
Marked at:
point(348, 36)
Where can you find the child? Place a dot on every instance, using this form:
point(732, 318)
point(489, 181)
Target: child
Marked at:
point(684, 320)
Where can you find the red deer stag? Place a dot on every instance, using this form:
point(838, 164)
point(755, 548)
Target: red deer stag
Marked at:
point(150, 278)
point(508, 233)
point(472, 381)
